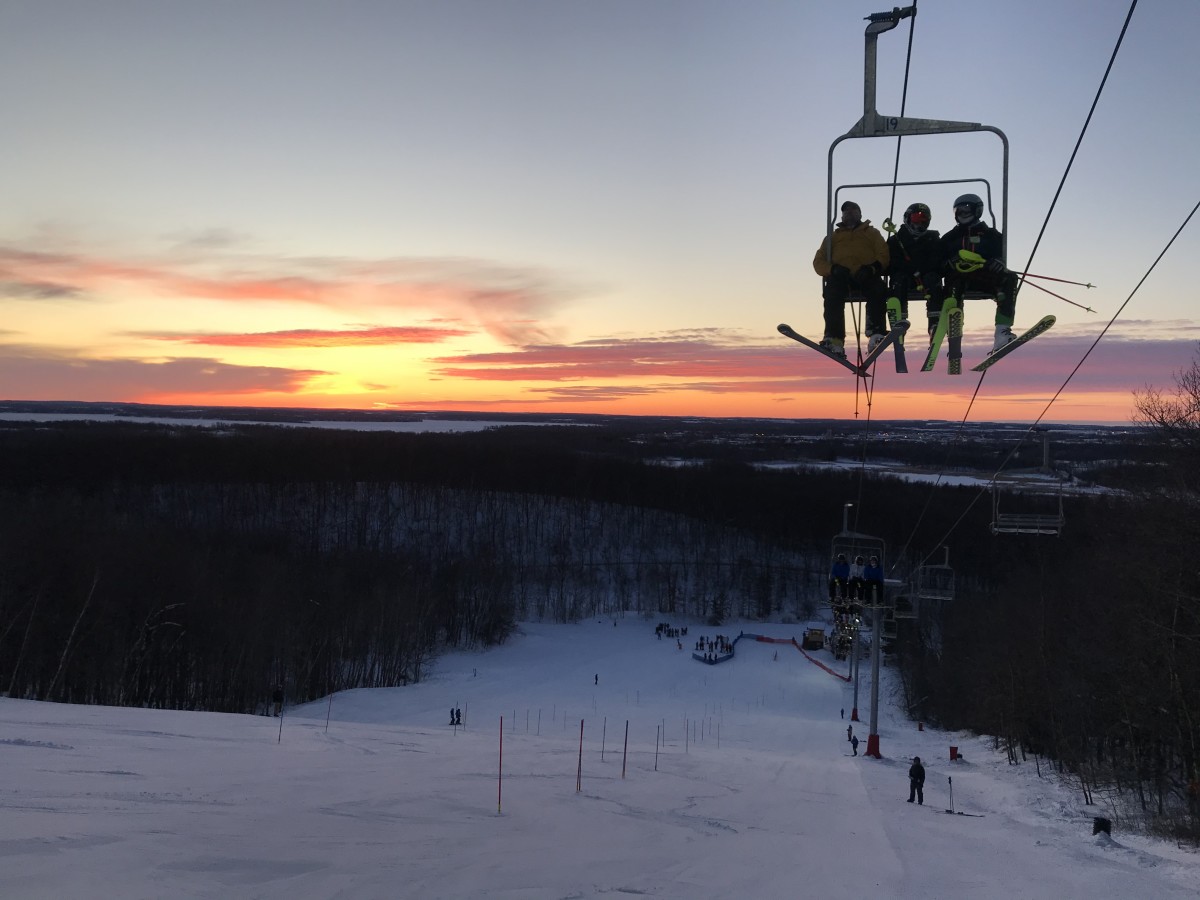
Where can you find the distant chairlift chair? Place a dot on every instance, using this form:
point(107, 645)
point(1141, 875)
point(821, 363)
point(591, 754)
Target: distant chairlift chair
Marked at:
point(936, 582)
point(1044, 522)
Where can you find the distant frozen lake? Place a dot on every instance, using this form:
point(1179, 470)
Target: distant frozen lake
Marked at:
point(435, 425)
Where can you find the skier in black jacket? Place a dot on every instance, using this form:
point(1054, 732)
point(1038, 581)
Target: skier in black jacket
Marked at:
point(915, 260)
point(972, 233)
point(916, 781)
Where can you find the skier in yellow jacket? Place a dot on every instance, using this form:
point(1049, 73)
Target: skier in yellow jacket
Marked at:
point(859, 258)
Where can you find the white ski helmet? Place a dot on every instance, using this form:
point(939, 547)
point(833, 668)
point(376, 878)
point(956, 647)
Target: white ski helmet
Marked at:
point(968, 209)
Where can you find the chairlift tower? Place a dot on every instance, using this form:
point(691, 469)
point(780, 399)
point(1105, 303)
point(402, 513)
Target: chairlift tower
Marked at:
point(854, 543)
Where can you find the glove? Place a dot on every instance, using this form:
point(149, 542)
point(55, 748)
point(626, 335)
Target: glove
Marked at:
point(865, 272)
point(997, 266)
point(839, 271)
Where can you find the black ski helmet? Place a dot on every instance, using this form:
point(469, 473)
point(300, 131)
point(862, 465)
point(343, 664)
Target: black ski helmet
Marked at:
point(917, 218)
point(973, 211)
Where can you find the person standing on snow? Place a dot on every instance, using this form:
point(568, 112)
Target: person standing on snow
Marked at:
point(854, 745)
point(972, 233)
point(915, 260)
point(858, 257)
point(916, 781)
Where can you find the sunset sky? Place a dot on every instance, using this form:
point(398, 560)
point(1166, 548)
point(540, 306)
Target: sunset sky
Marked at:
point(559, 205)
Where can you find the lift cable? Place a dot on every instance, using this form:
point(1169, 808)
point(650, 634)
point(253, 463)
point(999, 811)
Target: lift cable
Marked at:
point(1078, 365)
point(950, 447)
point(912, 27)
point(1087, 121)
point(1028, 265)
point(868, 387)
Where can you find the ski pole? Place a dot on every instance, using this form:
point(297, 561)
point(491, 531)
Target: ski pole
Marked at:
point(1052, 278)
point(969, 261)
point(1059, 296)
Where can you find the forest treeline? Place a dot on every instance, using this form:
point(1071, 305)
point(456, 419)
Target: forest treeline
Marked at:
point(1081, 653)
point(202, 568)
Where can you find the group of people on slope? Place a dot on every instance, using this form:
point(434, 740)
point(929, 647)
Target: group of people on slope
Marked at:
point(855, 581)
point(915, 258)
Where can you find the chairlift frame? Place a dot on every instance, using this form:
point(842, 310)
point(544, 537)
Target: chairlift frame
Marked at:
point(936, 582)
point(853, 543)
point(888, 627)
point(874, 125)
point(1026, 523)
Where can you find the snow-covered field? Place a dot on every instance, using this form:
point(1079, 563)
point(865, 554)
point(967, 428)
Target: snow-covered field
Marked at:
point(761, 799)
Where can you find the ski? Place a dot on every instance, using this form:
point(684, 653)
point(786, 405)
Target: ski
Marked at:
point(954, 330)
point(787, 331)
point(893, 338)
point(954, 812)
point(939, 334)
point(996, 355)
point(895, 315)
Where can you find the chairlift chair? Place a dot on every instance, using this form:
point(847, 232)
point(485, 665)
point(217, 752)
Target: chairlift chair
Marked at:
point(936, 582)
point(904, 606)
point(853, 544)
point(874, 125)
point(1026, 522)
point(888, 628)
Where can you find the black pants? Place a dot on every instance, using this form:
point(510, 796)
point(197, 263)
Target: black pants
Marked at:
point(1002, 287)
point(916, 789)
point(837, 288)
point(904, 284)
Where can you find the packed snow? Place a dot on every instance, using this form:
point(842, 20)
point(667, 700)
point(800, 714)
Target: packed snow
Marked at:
point(738, 781)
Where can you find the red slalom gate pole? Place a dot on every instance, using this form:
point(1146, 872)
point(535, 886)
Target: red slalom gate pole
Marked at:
point(579, 768)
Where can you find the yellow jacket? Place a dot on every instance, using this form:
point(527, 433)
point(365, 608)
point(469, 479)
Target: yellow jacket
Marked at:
point(853, 248)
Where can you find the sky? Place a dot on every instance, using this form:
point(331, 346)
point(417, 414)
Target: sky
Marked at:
point(567, 206)
point(754, 790)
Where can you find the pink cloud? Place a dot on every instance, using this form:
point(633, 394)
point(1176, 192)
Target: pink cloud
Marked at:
point(30, 373)
point(720, 364)
point(312, 337)
point(507, 301)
